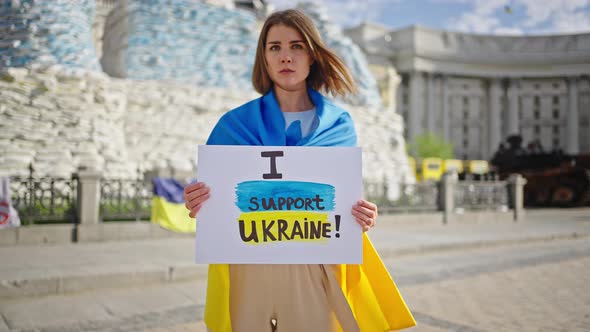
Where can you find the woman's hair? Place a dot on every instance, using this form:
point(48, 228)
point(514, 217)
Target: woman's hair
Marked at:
point(327, 72)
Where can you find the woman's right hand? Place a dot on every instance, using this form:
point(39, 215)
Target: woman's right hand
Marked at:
point(195, 195)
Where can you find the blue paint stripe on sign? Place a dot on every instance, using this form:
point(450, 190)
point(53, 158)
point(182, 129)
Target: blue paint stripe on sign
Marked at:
point(284, 195)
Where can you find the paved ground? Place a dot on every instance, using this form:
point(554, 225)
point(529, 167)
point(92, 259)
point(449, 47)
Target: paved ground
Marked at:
point(537, 287)
point(531, 276)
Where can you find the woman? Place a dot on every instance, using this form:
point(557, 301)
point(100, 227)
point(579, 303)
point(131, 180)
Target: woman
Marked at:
point(291, 65)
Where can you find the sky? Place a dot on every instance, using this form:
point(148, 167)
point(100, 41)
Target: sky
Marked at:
point(496, 17)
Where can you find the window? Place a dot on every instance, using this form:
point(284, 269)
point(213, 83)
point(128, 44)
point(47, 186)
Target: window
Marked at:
point(537, 114)
point(537, 86)
point(556, 85)
point(555, 142)
point(556, 129)
point(555, 100)
point(536, 101)
point(556, 113)
point(537, 130)
point(433, 167)
point(405, 80)
point(465, 114)
point(465, 101)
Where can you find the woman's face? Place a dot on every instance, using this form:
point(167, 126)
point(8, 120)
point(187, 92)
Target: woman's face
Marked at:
point(287, 57)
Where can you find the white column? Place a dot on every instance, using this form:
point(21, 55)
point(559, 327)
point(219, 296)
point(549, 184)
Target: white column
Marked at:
point(416, 105)
point(513, 95)
point(393, 87)
point(431, 115)
point(573, 145)
point(445, 108)
point(399, 103)
point(494, 120)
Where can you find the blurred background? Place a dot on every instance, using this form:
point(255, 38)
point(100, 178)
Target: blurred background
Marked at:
point(473, 116)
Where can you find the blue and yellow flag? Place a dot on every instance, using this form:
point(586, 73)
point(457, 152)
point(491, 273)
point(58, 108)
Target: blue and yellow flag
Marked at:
point(168, 208)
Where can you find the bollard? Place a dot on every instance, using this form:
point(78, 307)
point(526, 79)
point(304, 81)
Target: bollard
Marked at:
point(447, 195)
point(516, 186)
point(88, 196)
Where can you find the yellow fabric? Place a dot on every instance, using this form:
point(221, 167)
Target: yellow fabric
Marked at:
point(371, 293)
point(217, 303)
point(172, 216)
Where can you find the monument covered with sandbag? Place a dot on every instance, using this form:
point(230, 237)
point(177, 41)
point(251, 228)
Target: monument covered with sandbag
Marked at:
point(167, 71)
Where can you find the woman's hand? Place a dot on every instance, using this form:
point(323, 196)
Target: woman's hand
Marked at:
point(365, 213)
point(195, 195)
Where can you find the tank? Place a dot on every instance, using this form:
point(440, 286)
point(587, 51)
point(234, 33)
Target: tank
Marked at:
point(553, 178)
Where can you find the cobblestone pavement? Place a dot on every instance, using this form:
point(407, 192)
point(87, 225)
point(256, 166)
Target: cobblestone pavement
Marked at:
point(536, 287)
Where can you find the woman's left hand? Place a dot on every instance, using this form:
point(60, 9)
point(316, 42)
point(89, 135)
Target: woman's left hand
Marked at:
point(365, 213)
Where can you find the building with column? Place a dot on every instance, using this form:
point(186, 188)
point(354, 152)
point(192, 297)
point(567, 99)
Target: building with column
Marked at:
point(476, 90)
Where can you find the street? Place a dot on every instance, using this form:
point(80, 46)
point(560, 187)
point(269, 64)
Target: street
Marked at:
point(541, 286)
point(538, 287)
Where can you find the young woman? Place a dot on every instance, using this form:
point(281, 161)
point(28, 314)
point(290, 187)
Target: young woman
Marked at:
point(292, 65)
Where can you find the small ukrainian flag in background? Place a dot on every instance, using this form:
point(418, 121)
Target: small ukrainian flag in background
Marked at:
point(168, 208)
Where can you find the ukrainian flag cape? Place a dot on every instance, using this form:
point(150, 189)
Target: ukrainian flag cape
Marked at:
point(371, 293)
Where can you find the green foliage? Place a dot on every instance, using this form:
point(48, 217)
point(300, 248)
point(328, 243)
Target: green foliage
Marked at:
point(126, 210)
point(429, 145)
point(40, 213)
point(43, 213)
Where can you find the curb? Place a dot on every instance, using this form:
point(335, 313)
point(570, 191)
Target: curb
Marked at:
point(61, 285)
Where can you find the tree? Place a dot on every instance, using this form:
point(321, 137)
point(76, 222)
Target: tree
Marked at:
point(429, 145)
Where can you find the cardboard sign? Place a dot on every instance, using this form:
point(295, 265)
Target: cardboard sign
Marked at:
point(279, 205)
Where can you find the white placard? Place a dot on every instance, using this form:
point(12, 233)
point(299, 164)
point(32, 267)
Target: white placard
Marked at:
point(279, 205)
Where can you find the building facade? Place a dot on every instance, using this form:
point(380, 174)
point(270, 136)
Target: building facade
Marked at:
point(476, 90)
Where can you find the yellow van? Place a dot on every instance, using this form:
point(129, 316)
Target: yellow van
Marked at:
point(478, 167)
point(431, 169)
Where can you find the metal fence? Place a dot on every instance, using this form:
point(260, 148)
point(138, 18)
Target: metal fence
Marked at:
point(408, 197)
point(125, 199)
point(481, 195)
point(427, 196)
point(54, 200)
point(44, 199)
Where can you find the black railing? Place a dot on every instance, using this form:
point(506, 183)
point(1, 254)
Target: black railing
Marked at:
point(407, 197)
point(427, 196)
point(54, 200)
point(125, 199)
point(44, 199)
point(481, 195)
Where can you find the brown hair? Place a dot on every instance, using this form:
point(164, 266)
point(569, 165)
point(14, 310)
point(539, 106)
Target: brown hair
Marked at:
point(327, 72)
